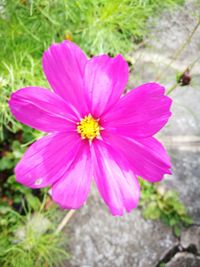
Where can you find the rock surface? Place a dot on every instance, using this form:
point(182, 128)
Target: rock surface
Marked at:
point(184, 259)
point(185, 179)
point(191, 238)
point(98, 239)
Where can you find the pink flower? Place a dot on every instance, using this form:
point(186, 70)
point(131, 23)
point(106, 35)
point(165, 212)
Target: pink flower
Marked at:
point(93, 131)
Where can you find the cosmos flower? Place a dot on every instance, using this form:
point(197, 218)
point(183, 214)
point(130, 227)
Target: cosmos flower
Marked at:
point(94, 132)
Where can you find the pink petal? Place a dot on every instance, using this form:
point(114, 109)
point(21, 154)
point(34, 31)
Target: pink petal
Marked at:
point(42, 110)
point(116, 182)
point(64, 66)
point(105, 79)
point(140, 113)
point(47, 159)
point(71, 191)
point(147, 156)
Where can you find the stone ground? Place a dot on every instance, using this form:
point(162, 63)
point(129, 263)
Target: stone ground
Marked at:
point(96, 239)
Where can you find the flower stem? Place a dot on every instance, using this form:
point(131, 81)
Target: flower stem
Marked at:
point(64, 221)
point(190, 67)
point(43, 202)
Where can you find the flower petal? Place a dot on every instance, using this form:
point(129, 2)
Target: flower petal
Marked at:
point(42, 110)
point(71, 191)
point(105, 79)
point(147, 156)
point(47, 159)
point(140, 113)
point(116, 183)
point(64, 65)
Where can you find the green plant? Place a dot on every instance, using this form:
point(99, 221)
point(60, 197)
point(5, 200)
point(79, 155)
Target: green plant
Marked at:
point(111, 26)
point(10, 158)
point(30, 239)
point(159, 203)
point(11, 152)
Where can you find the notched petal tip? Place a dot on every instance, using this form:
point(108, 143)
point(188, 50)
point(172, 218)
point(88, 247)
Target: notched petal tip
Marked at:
point(13, 96)
point(63, 66)
point(121, 212)
point(66, 207)
point(115, 181)
point(41, 109)
point(147, 108)
point(105, 79)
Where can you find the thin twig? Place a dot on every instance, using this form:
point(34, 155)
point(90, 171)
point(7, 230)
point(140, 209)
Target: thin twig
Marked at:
point(64, 221)
point(172, 88)
point(179, 51)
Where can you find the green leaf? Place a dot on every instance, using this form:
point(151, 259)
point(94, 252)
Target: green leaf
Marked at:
point(33, 202)
point(187, 219)
point(151, 211)
point(177, 231)
point(173, 221)
point(6, 162)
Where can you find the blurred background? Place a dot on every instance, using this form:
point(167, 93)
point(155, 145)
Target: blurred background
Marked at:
point(161, 42)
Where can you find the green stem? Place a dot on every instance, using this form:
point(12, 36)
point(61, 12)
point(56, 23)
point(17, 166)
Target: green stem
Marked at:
point(190, 67)
point(43, 202)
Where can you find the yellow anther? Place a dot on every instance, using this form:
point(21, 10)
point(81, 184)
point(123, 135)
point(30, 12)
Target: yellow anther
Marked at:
point(88, 128)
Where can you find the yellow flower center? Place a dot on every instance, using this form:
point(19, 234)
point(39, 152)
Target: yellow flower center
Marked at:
point(88, 127)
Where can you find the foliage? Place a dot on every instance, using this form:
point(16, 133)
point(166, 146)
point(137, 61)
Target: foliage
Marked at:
point(12, 149)
point(158, 203)
point(10, 158)
point(30, 239)
point(22, 218)
point(27, 224)
point(111, 26)
point(29, 27)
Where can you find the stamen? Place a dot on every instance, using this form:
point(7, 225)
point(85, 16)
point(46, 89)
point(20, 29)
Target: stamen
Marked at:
point(88, 128)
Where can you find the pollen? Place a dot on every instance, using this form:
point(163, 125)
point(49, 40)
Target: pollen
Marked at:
point(88, 128)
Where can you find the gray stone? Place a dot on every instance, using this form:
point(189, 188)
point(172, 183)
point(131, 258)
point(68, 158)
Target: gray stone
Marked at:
point(185, 179)
point(174, 27)
point(99, 239)
point(191, 237)
point(184, 259)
